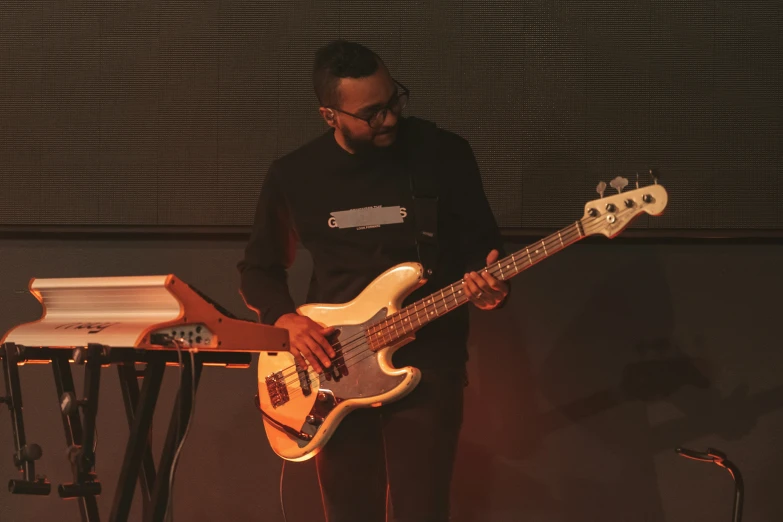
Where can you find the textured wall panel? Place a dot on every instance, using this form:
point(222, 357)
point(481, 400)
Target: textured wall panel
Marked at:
point(169, 113)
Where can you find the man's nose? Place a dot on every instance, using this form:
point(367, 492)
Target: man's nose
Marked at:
point(391, 119)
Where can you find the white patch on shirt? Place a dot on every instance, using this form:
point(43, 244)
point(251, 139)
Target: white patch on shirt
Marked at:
point(367, 217)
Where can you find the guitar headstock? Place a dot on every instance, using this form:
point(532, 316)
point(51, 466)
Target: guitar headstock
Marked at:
point(610, 215)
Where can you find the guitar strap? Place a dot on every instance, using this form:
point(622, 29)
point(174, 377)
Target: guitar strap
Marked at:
point(424, 191)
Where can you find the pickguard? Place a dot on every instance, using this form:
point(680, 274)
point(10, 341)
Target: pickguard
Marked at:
point(358, 373)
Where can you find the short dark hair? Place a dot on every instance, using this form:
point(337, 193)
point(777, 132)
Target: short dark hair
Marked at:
point(340, 59)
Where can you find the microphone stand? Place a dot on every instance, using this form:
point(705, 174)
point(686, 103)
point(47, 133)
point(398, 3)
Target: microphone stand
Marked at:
point(719, 458)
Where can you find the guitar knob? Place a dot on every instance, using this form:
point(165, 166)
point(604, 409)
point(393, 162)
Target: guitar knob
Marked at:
point(629, 203)
point(647, 198)
point(610, 207)
point(592, 212)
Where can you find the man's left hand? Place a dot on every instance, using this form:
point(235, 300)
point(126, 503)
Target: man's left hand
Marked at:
point(482, 289)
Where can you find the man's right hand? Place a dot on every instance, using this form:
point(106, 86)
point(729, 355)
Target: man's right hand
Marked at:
point(307, 339)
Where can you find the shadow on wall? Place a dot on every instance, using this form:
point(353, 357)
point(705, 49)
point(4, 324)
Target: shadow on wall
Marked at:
point(569, 437)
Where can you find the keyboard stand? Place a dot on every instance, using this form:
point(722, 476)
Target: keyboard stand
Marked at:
point(79, 421)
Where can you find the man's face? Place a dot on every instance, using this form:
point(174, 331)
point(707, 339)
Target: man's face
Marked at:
point(364, 97)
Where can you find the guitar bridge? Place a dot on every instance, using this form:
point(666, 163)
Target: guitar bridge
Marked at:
point(278, 391)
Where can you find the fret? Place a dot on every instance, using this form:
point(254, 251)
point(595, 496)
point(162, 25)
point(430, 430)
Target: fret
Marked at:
point(502, 277)
point(561, 239)
point(454, 296)
point(383, 332)
point(579, 229)
point(392, 325)
point(444, 300)
point(528, 256)
point(544, 245)
point(515, 264)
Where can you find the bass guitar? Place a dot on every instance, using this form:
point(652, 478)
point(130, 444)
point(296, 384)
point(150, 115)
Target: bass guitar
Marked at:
point(302, 409)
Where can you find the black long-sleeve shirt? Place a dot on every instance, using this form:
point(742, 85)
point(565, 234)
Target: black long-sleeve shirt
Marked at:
point(356, 217)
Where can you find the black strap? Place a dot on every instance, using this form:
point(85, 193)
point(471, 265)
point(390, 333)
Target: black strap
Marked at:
point(424, 190)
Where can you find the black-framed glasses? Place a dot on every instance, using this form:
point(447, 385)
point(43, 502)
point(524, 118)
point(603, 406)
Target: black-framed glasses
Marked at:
point(396, 104)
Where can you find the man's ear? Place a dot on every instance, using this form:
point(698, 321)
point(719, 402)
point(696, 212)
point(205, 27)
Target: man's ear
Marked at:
point(329, 116)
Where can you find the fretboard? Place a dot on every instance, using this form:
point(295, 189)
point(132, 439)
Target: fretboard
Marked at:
point(422, 312)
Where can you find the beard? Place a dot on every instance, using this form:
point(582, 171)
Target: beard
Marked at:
point(365, 146)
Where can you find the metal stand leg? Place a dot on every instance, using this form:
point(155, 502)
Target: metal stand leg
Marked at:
point(739, 488)
point(130, 395)
point(25, 454)
point(85, 488)
point(138, 447)
point(179, 420)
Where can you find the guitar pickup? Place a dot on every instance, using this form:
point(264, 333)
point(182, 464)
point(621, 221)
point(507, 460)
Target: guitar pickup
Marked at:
point(304, 381)
point(339, 362)
point(338, 369)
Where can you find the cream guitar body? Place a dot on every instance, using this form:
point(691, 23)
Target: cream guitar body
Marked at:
point(302, 409)
point(364, 374)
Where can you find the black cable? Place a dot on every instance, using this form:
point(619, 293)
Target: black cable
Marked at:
point(282, 504)
point(175, 460)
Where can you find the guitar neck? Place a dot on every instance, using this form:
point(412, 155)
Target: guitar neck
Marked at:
point(422, 312)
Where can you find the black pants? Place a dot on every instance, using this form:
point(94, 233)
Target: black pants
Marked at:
point(407, 446)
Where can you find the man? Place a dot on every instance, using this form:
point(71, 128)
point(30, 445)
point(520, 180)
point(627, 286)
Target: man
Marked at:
point(372, 157)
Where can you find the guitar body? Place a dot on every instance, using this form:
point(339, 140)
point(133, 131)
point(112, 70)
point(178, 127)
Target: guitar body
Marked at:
point(367, 378)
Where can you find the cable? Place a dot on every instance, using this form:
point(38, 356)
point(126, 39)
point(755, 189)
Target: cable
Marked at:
point(175, 460)
point(178, 346)
point(282, 504)
point(94, 447)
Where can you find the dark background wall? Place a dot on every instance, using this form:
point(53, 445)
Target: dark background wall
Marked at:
point(610, 355)
point(166, 114)
point(138, 113)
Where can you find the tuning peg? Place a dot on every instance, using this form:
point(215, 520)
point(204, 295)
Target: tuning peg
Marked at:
point(601, 188)
point(654, 175)
point(619, 183)
point(637, 180)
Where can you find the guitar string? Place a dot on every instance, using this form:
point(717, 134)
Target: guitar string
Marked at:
point(391, 322)
point(362, 337)
point(361, 356)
